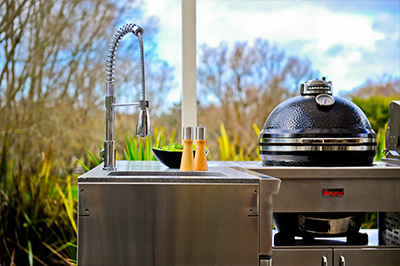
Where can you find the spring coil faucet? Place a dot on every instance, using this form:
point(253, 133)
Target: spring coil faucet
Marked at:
point(143, 124)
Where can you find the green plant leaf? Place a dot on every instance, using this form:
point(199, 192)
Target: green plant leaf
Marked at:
point(256, 129)
point(126, 155)
point(225, 143)
point(148, 149)
point(67, 207)
point(172, 140)
point(91, 156)
point(31, 224)
point(30, 253)
point(128, 149)
point(83, 165)
point(157, 138)
point(134, 149)
point(221, 149)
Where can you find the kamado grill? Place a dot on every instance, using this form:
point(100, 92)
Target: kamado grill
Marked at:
point(317, 129)
point(322, 148)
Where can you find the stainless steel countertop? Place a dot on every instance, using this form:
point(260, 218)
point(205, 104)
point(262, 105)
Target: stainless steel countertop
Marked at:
point(233, 171)
point(152, 171)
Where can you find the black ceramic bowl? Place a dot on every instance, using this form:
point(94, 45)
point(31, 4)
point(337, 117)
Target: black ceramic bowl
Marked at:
point(171, 159)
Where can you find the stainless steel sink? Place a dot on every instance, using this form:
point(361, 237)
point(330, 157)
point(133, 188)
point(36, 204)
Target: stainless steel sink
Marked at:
point(166, 173)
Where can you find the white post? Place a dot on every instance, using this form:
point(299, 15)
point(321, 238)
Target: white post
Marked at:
point(189, 77)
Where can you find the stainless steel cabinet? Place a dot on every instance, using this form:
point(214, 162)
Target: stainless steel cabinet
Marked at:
point(168, 224)
point(326, 256)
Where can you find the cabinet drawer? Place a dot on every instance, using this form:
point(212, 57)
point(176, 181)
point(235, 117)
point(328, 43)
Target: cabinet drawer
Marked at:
point(367, 256)
point(301, 257)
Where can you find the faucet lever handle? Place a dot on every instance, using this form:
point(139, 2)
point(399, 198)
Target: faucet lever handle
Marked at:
point(145, 104)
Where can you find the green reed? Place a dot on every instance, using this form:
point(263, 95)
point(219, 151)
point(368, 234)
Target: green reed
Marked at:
point(38, 213)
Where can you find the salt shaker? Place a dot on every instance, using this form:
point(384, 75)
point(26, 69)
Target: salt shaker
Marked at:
point(200, 157)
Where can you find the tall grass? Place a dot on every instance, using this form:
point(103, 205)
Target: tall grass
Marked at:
point(229, 151)
point(140, 149)
point(38, 214)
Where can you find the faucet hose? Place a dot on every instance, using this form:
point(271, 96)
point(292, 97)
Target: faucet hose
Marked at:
point(114, 42)
point(143, 105)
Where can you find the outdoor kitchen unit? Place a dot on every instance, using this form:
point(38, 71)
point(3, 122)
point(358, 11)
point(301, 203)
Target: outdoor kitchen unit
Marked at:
point(316, 187)
point(317, 180)
point(148, 214)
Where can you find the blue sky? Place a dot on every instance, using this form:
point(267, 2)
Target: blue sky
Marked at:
point(347, 41)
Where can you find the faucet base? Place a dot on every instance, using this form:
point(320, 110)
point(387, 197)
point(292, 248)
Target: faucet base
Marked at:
point(110, 154)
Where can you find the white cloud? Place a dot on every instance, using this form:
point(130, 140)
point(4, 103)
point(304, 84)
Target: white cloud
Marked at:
point(299, 21)
point(169, 13)
point(384, 23)
point(301, 28)
point(315, 28)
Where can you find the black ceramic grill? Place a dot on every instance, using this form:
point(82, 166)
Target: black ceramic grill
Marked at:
point(317, 129)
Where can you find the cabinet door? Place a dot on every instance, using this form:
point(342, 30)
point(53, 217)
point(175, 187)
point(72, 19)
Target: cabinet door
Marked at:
point(302, 257)
point(168, 224)
point(367, 256)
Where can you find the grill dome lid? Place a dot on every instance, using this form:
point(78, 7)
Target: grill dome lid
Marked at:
point(317, 128)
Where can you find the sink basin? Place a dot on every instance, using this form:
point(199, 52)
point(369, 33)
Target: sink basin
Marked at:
point(155, 172)
point(166, 173)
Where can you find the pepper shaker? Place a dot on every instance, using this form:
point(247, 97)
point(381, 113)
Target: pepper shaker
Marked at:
point(187, 162)
point(200, 158)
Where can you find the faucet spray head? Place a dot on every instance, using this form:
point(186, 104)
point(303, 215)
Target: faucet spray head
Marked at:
point(143, 127)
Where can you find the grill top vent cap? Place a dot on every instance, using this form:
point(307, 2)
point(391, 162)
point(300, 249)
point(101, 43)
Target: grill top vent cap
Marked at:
point(316, 86)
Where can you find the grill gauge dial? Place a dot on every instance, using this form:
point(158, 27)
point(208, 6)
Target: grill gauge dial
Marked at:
point(325, 100)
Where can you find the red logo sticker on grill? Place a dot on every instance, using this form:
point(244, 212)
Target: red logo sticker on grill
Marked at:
point(332, 192)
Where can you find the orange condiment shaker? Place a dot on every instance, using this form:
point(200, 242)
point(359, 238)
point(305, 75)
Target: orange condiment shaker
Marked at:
point(187, 162)
point(200, 157)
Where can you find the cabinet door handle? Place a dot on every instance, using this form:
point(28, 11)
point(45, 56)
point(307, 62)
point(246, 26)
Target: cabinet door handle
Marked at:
point(342, 261)
point(324, 261)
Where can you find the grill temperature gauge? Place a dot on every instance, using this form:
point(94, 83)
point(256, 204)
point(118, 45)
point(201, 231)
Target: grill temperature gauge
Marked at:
point(325, 100)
